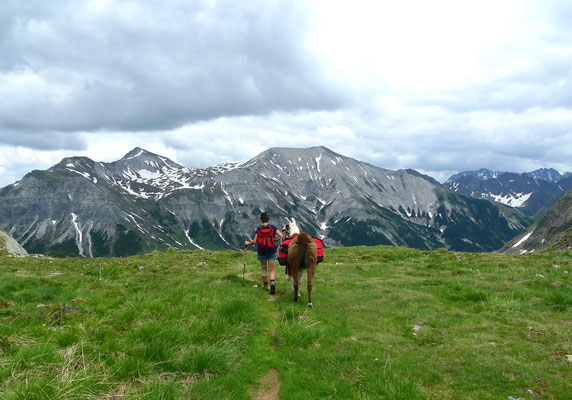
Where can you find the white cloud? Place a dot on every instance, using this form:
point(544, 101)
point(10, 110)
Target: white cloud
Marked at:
point(413, 45)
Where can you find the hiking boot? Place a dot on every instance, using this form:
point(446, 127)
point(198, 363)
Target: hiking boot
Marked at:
point(272, 287)
point(265, 286)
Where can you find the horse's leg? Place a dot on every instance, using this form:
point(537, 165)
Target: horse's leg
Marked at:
point(290, 277)
point(311, 272)
point(294, 272)
point(300, 276)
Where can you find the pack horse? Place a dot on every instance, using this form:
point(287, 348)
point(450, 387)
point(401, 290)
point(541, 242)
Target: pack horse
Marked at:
point(300, 252)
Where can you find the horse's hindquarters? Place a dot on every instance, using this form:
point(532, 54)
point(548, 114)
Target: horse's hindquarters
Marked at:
point(302, 255)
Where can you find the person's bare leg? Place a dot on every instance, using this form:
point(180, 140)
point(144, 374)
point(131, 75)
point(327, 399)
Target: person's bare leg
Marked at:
point(264, 274)
point(271, 271)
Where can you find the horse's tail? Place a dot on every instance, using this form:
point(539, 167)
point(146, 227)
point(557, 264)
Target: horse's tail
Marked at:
point(305, 258)
point(304, 241)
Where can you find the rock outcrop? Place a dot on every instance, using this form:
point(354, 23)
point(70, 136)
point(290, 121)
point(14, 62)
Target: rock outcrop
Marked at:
point(9, 246)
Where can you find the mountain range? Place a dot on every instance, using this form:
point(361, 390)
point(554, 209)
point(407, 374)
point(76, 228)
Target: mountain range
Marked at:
point(146, 202)
point(532, 193)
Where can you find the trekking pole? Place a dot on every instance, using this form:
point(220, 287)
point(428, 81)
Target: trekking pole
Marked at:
point(244, 268)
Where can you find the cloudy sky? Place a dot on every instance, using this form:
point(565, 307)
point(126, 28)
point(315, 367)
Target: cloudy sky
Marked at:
point(439, 86)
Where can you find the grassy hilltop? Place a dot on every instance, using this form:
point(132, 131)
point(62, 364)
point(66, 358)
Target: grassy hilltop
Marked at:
point(388, 322)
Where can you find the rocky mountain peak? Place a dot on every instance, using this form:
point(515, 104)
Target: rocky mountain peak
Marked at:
point(291, 153)
point(547, 174)
point(482, 174)
point(137, 152)
point(298, 161)
point(142, 159)
point(74, 163)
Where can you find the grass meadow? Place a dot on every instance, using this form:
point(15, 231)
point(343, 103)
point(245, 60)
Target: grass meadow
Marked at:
point(387, 323)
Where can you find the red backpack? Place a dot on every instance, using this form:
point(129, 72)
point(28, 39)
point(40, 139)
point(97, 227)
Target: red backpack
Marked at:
point(265, 240)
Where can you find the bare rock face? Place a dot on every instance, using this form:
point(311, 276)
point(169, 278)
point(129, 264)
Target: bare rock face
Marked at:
point(9, 246)
point(552, 232)
point(146, 202)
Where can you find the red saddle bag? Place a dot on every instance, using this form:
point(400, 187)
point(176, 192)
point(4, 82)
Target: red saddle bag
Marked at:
point(283, 250)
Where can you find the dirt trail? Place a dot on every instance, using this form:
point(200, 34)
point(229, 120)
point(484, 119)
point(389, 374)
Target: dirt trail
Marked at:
point(269, 386)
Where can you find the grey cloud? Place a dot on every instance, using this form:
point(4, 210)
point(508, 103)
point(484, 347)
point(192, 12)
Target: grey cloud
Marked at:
point(450, 142)
point(155, 67)
point(43, 140)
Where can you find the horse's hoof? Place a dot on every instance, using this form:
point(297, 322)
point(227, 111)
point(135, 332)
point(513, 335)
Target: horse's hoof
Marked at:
point(310, 305)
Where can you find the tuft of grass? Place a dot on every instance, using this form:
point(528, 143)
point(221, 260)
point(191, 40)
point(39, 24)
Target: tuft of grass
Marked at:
point(212, 360)
point(385, 385)
point(67, 337)
point(558, 298)
point(35, 389)
point(160, 391)
point(131, 368)
point(297, 330)
point(469, 294)
point(238, 311)
point(30, 357)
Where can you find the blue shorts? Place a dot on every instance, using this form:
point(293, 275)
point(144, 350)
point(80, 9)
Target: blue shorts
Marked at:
point(271, 257)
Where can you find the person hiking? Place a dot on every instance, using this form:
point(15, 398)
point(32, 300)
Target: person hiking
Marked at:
point(264, 238)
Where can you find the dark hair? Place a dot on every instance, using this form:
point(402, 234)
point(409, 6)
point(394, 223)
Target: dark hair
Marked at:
point(264, 217)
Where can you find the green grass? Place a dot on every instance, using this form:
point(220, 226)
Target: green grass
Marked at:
point(387, 323)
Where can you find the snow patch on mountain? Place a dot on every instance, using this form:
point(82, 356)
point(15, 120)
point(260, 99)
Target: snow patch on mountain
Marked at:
point(523, 239)
point(79, 235)
point(132, 218)
point(318, 162)
point(513, 200)
point(146, 174)
point(141, 151)
point(226, 167)
point(191, 240)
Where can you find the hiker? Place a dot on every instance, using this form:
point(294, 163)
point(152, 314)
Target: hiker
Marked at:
point(264, 238)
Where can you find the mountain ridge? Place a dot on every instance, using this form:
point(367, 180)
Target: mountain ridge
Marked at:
point(532, 193)
point(547, 174)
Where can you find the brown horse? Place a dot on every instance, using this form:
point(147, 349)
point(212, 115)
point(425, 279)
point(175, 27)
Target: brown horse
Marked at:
point(302, 255)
